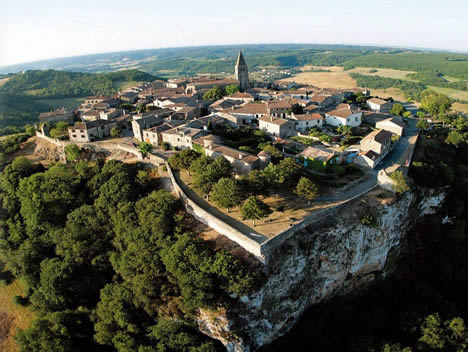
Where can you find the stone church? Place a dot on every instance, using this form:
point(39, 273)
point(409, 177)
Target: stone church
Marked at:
point(242, 73)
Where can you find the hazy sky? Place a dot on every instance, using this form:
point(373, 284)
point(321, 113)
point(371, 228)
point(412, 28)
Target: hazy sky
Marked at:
point(39, 29)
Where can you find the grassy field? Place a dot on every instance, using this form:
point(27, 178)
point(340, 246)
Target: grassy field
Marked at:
point(395, 93)
point(460, 107)
point(12, 316)
point(338, 78)
point(382, 72)
point(335, 79)
point(72, 102)
point(126, 84)
point(452, 93)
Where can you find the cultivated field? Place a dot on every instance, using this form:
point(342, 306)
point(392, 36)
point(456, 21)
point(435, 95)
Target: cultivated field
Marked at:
point(382, 72)
point(335, 79)
point(338, 78)
point(12, 316)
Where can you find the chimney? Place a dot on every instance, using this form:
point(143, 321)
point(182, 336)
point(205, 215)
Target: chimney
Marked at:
point(232, 108)
point(271, 117)
point(240, 156)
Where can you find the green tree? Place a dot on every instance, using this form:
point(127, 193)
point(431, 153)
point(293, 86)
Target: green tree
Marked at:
point(183, 159)
point(115, 131)
point(407, 114)
point(420, 114)
point(60, 130)
point(227, 193)
point(346, 130)
point(397, 109)
point(434, 103)
point(422, 124)
point(455, 138)
point(145, 148)
point(215, 93)
point(399, 181)
point(232, 89)
point(72, 152)
point(307, 189)
point(30, 130)
point(254, 209)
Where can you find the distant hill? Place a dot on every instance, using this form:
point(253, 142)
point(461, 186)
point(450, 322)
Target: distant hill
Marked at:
point(57, 84)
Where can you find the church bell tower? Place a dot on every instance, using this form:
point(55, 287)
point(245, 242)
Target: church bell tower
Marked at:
point(242, 73)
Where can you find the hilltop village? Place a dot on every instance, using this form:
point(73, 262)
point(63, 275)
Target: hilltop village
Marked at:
point(342, 135)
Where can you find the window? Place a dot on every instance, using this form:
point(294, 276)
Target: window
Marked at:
point(74, 135)
point(356, 118)
point(82, 136)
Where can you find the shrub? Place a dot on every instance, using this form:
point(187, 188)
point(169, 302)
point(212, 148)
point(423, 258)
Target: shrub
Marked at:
point(165, 146)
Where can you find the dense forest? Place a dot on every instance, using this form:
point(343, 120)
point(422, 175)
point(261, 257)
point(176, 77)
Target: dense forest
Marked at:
point(422, 306)
point(110, 259)
point(58, 84)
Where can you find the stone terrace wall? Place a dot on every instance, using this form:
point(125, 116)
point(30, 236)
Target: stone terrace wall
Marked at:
point(212, 221)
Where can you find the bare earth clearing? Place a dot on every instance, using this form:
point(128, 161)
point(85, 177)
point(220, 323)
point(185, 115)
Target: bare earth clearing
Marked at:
point(12, 316)
point(3, 80)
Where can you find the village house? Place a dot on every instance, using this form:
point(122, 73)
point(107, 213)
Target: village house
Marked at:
point(200, 86)
point(241, 161)
point(110, 114)
point(95, 99)
point(343, 117)
point(57, 115)
point(279, 108)
point(379, 105)
point(241, 97)
point(248, 112)
point(321, 100)
point(153, 135)
point(182, 137)
point(319, 157)
point(276, 127)
point(223, 104)
point(394, 125)
point(91, 115)
point(176, 83)
point(129, 97)
point(372, 117)
point(143, 123)
point(303, 122)
point(374, 147)
point(90, 131)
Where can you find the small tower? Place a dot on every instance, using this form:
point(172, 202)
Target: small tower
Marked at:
point(242, 72)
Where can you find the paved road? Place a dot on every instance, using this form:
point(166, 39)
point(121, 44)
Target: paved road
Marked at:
point(391, 158)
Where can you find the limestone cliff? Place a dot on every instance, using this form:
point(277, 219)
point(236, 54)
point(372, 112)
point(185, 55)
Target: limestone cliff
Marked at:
point(334, 256)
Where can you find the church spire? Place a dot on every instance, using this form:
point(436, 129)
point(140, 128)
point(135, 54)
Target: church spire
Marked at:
point(242, 72)
point(240, 59)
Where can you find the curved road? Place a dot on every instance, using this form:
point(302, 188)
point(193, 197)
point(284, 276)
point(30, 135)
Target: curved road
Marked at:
point(397, 155)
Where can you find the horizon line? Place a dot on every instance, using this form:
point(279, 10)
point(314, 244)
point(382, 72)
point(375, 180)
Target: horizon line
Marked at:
point(415, 48)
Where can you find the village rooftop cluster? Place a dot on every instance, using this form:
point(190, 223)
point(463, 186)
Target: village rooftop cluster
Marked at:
point(305, 122)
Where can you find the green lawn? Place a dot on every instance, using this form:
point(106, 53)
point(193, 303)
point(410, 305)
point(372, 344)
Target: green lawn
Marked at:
point(71, 102)
point(126, 84)
point(452, 93)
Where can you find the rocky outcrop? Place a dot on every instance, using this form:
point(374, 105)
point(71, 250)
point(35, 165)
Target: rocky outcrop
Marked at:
point(337, 255)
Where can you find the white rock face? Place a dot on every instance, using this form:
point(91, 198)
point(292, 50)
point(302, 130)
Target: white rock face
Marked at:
point(332, 257)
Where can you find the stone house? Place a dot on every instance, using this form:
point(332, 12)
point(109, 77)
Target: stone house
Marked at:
point(394, 125)
point(379, 105)
point(279, 108)
point(318, 158)
point(241, 161)
point(143, 123)
point(303, 122)
point(90, 131)
point(343, 117)
point(276, 127)
point(248, 112)
point(57, 115)
point(182, 137)
point(91, 115)
point(374, 147)
point(153, 135)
